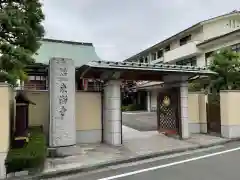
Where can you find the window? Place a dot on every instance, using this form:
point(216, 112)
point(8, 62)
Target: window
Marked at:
point(236, 47)
point(154, 56)
point(141, 60)
point(36, 82)
point(146, 60)
point(185, 40)
point(188, 62)
point(167, 48)
point(160, 54)
point(233, 23)
point(208, 58)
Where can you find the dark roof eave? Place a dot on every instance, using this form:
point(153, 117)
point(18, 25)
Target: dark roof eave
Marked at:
point(165, 68)
point(67, 42)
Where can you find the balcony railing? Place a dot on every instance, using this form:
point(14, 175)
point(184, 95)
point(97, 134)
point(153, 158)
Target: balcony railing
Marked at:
point(184, 51)
point(35, 87)
point(159, 60)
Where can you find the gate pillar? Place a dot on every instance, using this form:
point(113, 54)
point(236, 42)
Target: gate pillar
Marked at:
point(112, 114)
point(184, 110)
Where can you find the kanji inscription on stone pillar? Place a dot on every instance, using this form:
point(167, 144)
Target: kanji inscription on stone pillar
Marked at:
point(62, 131)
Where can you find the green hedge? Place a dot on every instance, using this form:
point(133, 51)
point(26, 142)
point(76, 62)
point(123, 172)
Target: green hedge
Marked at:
point(132, 107)
point(31, 156)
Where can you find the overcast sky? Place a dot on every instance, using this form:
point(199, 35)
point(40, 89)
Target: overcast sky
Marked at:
point(121, 28)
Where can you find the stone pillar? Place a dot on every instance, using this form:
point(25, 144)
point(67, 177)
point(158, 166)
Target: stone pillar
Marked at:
point(112, 124)
point(148, 101)
point(62, 131)
point(184, 110)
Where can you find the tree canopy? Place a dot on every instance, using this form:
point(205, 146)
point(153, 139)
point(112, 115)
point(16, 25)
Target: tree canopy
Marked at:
point(20, 32)
point(226, 63)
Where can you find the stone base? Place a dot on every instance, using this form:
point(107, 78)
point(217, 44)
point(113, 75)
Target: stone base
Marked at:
point(232, 131)
point(2, 165)
point(89, 136)
point(113, 139)
point(194, 128)
point(203, 128)
point(64, 151)
point(198, 127)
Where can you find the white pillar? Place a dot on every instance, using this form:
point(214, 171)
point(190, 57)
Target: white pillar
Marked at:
point(112, 113)
point(62, 131)
point(184, 110)
point(148, 101)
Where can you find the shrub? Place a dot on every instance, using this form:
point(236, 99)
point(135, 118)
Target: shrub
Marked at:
point(31, 156)
point(132, 107)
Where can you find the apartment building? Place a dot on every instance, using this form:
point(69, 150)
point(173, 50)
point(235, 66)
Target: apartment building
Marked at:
point(192, 46)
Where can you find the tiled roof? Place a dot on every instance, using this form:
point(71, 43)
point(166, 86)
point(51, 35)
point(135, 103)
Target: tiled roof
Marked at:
point(148, 67)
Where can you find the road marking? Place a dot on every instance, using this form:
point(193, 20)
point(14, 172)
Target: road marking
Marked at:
point(164, 157)
point(168, 165)
point(132, 164)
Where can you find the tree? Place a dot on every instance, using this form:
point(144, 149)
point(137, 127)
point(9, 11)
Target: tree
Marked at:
point(226, 64)
point(20, 32)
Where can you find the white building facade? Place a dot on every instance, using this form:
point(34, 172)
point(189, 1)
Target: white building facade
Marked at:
point(192, 46)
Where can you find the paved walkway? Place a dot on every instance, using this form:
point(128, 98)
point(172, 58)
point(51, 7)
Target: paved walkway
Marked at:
point(130, 133)
point(142, 121)
point(134, 147)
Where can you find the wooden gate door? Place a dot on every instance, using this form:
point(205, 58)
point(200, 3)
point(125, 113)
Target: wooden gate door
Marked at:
point(167, 111)
point(213, 114)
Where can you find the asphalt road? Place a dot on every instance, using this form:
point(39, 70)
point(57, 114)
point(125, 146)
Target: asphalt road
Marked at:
point(216, 163)
point(140, 121)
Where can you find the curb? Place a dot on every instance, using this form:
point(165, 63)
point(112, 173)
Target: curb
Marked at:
point(59, 173)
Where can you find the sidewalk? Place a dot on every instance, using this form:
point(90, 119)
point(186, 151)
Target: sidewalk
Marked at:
point(136, 146)
point(101, 155)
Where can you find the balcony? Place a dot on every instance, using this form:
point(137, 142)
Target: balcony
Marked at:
point(157, 61)
point(184, 51)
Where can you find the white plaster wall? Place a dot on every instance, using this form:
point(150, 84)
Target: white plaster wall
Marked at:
point(221, 44)
point(216, 45)
point(197, 35)
point(174, 44)
point(201, 60)
point(181, 52)
point(220, 27)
